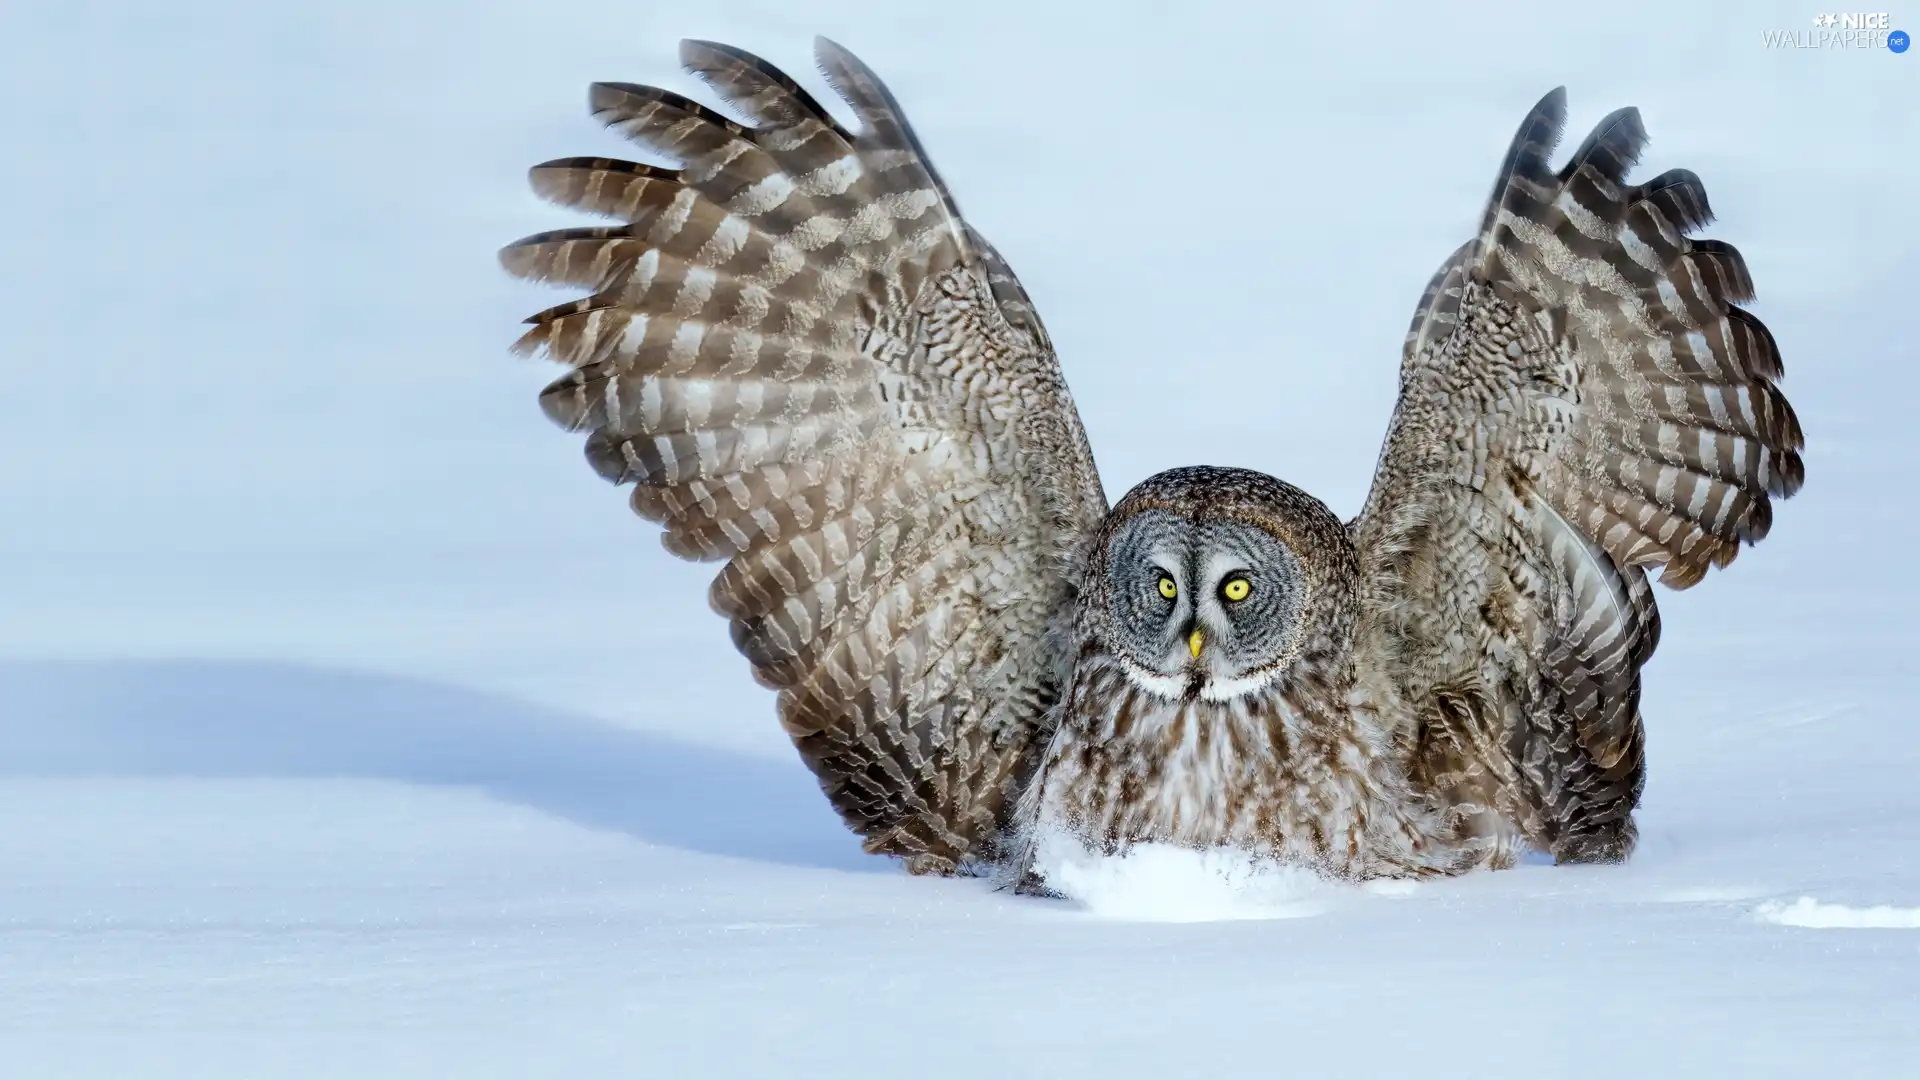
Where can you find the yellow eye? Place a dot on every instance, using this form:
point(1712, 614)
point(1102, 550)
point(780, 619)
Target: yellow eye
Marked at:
point(1167, 587)
point(1236, 589)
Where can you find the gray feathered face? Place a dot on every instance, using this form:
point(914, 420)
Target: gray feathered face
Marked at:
point(1202, 607)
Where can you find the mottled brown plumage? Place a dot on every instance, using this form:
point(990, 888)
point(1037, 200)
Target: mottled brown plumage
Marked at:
point(809, 367)
point(813, 370)
point(1268, 745)
point(1580, 400)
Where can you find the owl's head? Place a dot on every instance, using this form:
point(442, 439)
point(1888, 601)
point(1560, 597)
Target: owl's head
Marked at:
point(1209, 582)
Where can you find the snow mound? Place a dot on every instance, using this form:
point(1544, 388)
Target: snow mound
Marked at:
point(1163, 883)
point(1813, 914)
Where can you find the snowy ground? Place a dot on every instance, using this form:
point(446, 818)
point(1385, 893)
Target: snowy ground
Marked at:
point(349, 727)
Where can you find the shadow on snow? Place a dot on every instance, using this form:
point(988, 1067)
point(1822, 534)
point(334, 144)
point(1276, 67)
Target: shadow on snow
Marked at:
point(248, 719)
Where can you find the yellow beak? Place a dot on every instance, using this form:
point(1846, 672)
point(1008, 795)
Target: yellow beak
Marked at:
point(1194, 641)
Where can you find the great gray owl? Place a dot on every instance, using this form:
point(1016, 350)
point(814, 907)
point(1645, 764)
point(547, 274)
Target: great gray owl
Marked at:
point(813, 370)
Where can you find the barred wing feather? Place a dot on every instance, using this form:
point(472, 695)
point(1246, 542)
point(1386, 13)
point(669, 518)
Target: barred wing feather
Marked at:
point(1581, 401)
point(809, 366)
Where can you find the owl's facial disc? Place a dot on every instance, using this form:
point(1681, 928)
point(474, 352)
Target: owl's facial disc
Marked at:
point(1203, 607)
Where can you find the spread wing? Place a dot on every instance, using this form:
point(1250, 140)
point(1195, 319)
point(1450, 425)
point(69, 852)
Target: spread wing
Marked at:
point(809, 366)
point(1580, 401)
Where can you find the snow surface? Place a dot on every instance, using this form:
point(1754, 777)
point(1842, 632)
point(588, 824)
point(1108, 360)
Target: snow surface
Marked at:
point(1811, 913)
point(350, 727)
